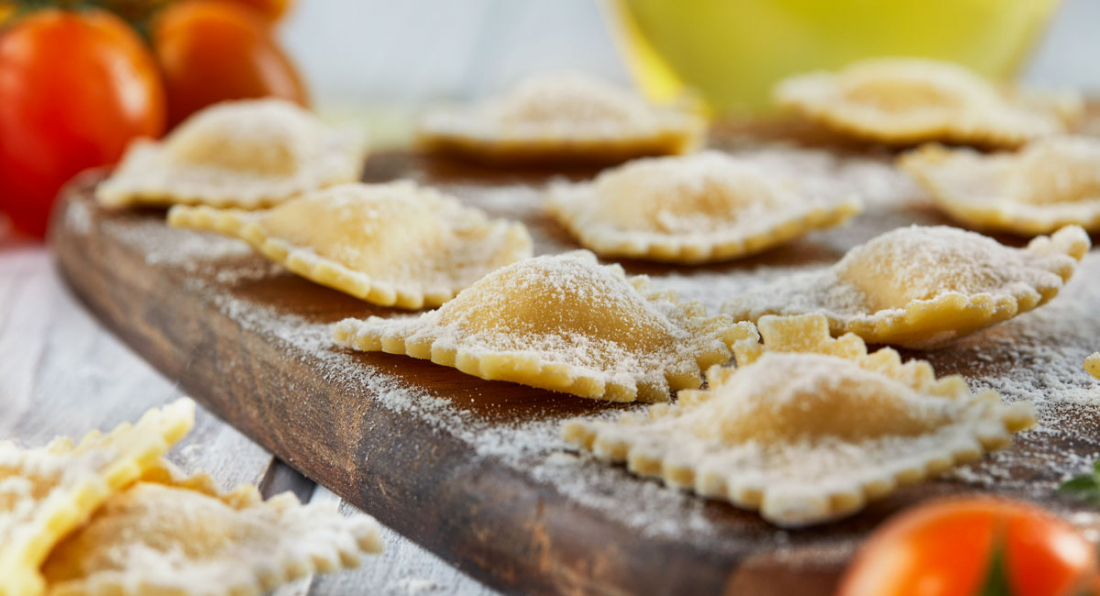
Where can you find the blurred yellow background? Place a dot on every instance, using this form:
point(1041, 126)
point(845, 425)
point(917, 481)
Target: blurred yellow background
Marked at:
point(733, 52)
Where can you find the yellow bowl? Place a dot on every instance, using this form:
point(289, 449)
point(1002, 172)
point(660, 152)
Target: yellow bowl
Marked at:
point(733, 51)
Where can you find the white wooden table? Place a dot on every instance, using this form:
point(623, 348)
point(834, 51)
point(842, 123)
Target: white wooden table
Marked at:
point(62, 373)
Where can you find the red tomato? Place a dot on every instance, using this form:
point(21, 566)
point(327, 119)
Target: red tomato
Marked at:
point(75, 88)
point(948, 548)
point(211, 51)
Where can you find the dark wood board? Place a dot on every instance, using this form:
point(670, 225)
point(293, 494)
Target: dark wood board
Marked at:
point(471, 469)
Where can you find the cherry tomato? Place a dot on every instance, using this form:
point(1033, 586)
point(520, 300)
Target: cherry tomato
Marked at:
point(211, 51)
point(75, 88)
point(964, 546)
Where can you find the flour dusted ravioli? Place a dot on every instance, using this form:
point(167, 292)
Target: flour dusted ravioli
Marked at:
point(168, 534)
point(1051, 183)
point(807, 429)
point(699, 208)
point(1092, 365)
point(47, 492)
point(921, 287)
point(563, 323)
point(246, 154)
point(390, 244)
point(910, 100)
point(562, 117)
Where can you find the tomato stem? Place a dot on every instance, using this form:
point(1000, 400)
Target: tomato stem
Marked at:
point(996, 577)
point(138, 13)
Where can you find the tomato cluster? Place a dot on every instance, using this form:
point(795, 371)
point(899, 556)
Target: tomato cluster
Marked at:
point(77, 85)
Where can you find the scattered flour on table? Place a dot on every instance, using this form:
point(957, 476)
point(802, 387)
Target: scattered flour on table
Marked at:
point(411, 586)
point(714, 288)
point(170, 246)
point(537, 447)
point(78, 216)
point(313, 344)
point(509, 202)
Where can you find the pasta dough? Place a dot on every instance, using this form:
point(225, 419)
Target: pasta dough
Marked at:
point(560, 118)
point(247, 154)
point(390, 244)
point(47, 492)
point(807, 428)
point(110, 516)
point(563, 323)
point(904, 101)
point(1051, 183)
point(694, 209)
point(173, 535)
point(921, 287)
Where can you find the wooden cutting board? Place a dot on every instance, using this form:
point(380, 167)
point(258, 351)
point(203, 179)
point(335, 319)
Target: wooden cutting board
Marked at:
point(474, 470)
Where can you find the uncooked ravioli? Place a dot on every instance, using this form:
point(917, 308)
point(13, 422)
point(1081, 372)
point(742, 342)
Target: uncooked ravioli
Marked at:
point(807, 428)
point(170, 534)
point(47, 492)
point(905, 101)
point(1050, 183)
point(556, 118)
point(921, 287)
point(699, 208)
point(393, 244)
point(564, 323)
point(246, 154)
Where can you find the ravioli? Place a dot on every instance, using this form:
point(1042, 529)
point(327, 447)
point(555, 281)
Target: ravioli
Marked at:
point(1051, 183)
point(557, 118)
point(47, 492)
point(168, 534)
point(247, 154)
point(904, 101)
point(699, 208)
point(922, 287)
point(563, 323)
point(393, 244)
point(807, 428)
point(1092, 365)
